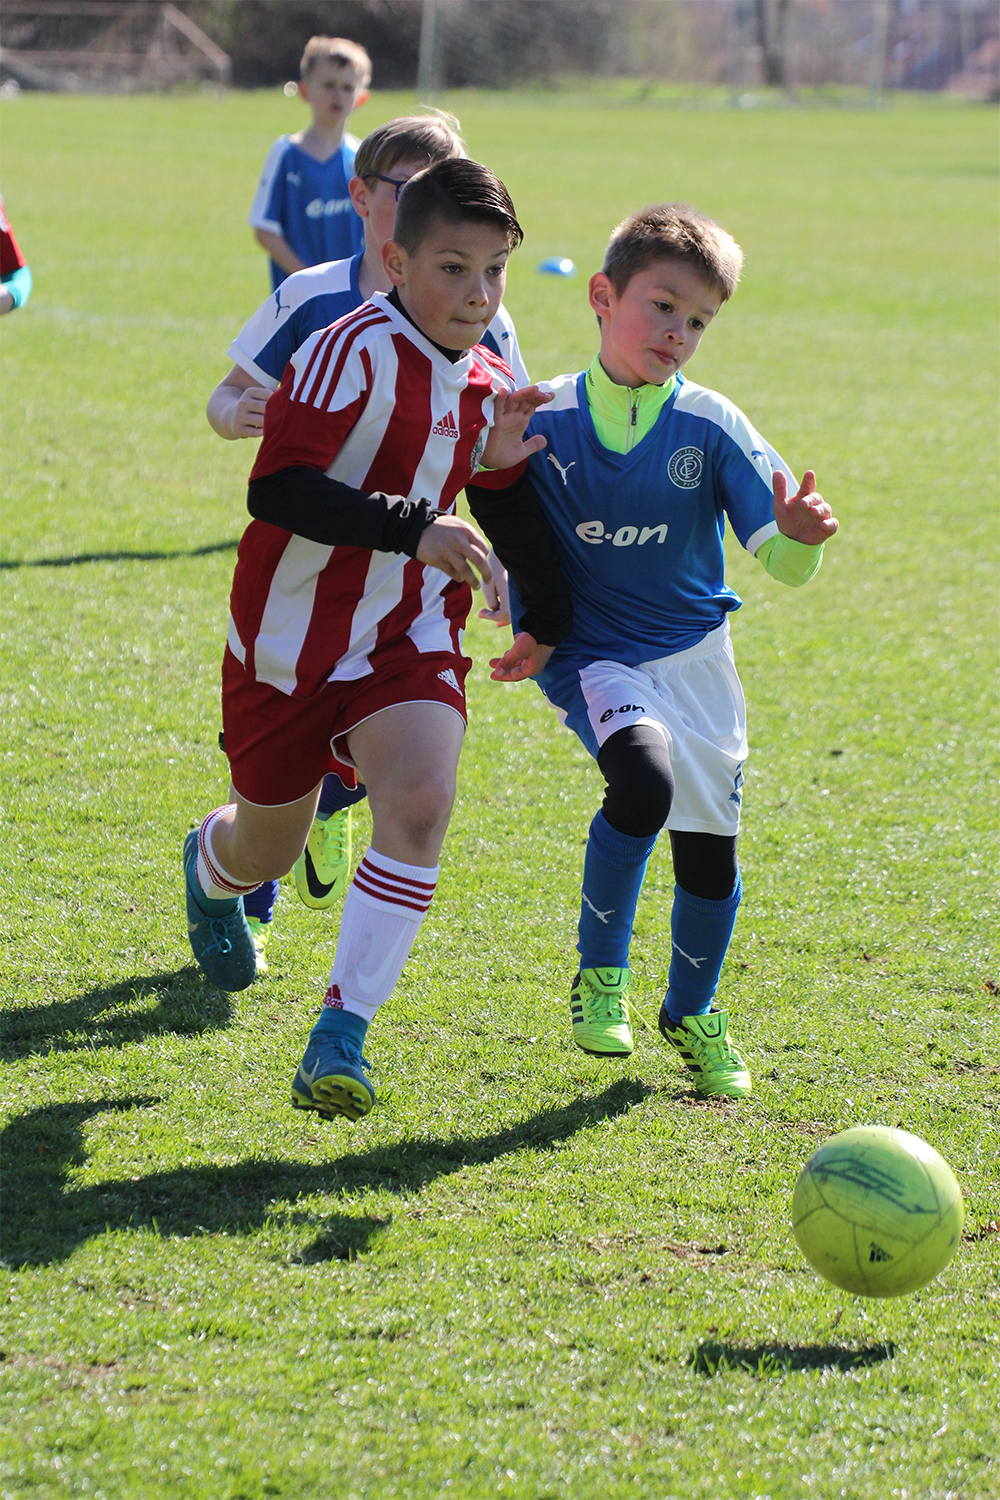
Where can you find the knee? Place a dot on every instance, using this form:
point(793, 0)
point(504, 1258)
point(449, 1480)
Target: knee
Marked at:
point(635, 763)
point(421, 812)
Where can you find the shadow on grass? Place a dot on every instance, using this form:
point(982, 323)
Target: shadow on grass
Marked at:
point(93, 557)
point(44, 1222)
point(185, 1006)
point(784, 1359)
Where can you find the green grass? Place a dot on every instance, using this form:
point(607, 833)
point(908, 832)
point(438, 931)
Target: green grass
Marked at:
point(527, 1274)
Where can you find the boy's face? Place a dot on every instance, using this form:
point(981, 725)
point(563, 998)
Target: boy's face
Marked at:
point(454, 282)
point(333, 90)
point(375, 200)
point(656, 324)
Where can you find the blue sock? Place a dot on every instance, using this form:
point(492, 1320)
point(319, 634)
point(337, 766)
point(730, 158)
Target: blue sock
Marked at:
point(343, 1023)
point(260, 903)
point(335, 796)
point(612, 878)
point(700, 932)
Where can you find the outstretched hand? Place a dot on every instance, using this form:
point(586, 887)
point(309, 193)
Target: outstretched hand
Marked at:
point(806, 517)
point(525, 658)
point(512, 411)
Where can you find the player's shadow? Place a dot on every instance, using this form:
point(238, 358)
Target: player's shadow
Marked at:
point(45, 1221)
point(117, 1015)
point(772, 1359)
point(93, 557)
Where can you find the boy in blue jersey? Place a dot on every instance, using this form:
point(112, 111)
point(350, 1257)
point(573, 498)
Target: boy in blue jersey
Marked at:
point(304, 303)
point(640, 470)
point(302, 212)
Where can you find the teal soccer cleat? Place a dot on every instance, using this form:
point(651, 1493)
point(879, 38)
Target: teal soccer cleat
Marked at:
point(220, 938)
point(331, 1078)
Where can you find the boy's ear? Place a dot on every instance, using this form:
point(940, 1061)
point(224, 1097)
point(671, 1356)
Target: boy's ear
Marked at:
point(395, 260)
point(361, 97)
point(602, 293)
point(358, 189)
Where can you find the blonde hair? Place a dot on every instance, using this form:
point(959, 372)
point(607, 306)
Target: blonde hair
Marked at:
point(431, 137)
point(673, 231)
point(336, 49)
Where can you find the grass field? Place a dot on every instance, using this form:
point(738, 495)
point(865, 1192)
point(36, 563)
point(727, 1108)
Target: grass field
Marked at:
point(527, 1274)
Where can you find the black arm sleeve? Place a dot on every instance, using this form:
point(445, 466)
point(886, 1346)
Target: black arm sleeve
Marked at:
point(324, 510)
point(515, 523)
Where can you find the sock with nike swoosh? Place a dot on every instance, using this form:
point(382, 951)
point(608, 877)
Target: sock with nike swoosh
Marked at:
point(700, 931)
point(383, 909)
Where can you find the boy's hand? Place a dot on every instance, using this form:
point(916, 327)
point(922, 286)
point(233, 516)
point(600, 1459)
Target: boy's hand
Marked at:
point(806, 517)
point(525, 658)
point(450, 544)
point(495, 596)
point(248, 414)
point(512, 411)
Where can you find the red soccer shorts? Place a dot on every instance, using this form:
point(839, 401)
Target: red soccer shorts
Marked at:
point(280, 747)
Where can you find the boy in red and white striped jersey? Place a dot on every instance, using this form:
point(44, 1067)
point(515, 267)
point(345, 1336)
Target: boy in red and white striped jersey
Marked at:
point(351, 590)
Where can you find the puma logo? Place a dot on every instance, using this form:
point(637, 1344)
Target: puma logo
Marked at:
point(602, 916)
point(695, 963)
point(562, 472)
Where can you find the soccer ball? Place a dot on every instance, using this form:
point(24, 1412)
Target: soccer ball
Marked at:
point(877, 1211)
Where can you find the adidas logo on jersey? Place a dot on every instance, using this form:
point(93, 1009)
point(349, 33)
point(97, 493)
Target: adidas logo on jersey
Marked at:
point(448, 676)
point(446, 427)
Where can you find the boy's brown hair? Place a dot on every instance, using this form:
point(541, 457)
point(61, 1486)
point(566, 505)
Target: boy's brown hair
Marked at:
point(673, 231)
point(336, 49)
point(431, 137)
point(457, 190)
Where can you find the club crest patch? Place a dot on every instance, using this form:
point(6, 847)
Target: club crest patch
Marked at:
point(685, 468)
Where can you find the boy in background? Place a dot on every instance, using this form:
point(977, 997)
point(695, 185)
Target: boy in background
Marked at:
point(302, 212)
point(640, 471)
point(349, 597)
point(306, 302)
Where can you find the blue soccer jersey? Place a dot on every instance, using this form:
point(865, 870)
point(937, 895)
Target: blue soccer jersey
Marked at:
point(313, 299)
point(640, 533)
point(307, 202)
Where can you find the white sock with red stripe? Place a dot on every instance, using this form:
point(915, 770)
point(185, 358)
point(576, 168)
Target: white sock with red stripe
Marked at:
point(383, 910)
point(215, 881)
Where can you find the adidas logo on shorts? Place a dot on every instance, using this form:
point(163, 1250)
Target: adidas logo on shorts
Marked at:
point(449, 677)
point(446, 427)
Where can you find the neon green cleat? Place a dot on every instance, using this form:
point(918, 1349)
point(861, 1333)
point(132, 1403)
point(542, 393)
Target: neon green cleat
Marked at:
point(260, 932)
point(702, 1041)
point(599, 1008)
point(322, 868)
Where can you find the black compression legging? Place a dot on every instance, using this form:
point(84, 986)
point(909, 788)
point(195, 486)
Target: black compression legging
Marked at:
point(635, 763)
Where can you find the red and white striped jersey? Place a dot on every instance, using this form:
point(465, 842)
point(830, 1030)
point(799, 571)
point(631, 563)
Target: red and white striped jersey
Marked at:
point(373, 403)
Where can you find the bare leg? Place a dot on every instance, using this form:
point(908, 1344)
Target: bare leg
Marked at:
point(262, 843)
point(407, 757)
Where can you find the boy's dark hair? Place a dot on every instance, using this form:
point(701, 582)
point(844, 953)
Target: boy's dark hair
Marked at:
point(457, 190)
point(431, 137)
point(673, 231)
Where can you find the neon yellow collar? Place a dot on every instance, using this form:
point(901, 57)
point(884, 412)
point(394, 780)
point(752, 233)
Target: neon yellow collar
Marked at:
point(622, 414)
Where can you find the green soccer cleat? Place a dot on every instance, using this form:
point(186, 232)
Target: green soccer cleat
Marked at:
point(322, 868)
point(719, 1070)
point(599, 1009)
point(260, 932)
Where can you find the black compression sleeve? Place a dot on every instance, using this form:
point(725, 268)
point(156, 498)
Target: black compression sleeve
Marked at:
point(515, 523)
point(310, 504)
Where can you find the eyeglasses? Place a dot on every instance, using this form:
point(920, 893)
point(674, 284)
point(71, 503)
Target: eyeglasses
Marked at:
point(392, 181)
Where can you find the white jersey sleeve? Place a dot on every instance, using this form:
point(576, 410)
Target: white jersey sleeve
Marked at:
point(501, 337)
point(261, 216)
